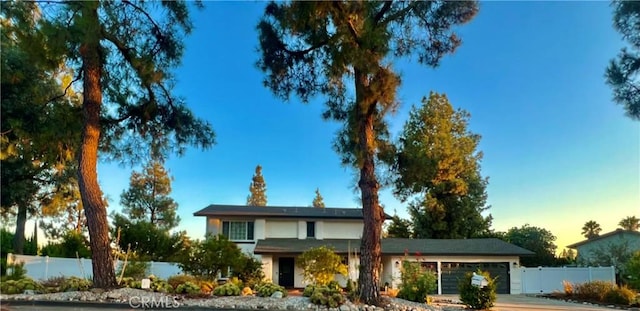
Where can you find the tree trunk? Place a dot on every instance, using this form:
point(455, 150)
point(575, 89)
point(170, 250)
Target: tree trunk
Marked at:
point(21, 222)
point(94, 207)
point(370, 250)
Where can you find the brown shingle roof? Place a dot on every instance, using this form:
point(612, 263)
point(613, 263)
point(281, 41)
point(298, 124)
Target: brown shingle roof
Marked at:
point(281, 212)
point(462, 247)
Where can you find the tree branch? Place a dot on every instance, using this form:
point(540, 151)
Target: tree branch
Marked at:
point(382, 12)
point(145, 13)
point(399, 13)
point(67, 88)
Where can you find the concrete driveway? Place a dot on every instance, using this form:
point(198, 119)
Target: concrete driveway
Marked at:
point(528, 303)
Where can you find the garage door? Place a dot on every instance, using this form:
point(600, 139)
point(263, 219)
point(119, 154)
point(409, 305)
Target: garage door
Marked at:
point(452, 272)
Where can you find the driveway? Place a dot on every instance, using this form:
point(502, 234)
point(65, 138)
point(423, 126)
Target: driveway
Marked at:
point(529, 303)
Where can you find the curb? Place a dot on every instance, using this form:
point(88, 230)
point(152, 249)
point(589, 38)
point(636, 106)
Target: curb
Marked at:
point(6, 305)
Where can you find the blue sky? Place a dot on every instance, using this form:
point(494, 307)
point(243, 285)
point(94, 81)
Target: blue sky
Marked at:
point(557, 151)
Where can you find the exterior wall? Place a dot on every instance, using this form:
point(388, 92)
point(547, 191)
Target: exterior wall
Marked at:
point(391, 270)
point(342, 229)
point(267, 267)
point(214, 226)
point(586, 251)
point(281, 229)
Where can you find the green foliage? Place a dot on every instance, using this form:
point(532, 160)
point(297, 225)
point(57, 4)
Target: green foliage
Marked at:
point(161, 286)
point(267, 289)
point(257, 189)
point(228, 289)
point(135, 269)
point(631, 223)
point(150, 242)
point(75, 284)
point(611, 255)
point(312, 48)
point(16, 271)
point(477, 297)
point(53, 284)
point(148, 200)
point(591, 229)
point(417, 282)
point(320, 265)
point(19, 286)
point(537, 240)
point(349, 286)
point(249, 270)
point(73, 244)
point(594, 290)
point(188, 288)
point(620, 296)
point(214, 255)
point(399, 228)
point(622, 72)
point(632, 271)
point(176, 280)
point(318, 201)
point(436, 159)
point(308, 290)
point(324, 296)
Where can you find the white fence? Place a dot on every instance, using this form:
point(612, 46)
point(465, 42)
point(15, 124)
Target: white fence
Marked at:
point(44, 267)
point(548, 280)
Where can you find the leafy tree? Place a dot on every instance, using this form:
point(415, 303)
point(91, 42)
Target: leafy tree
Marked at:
point(72, 245)
point(567, 257)
point(123, 53)
point(147, 198)
point(399, 228)
point(632, 271)
point(38, 123)
point(257, 189)
point(631, 223)
point(320, 265)
point(318, 201)
point(213, 256)
point(311, 48)
point(611, 255)
point(537, 240)
point(148, 241)
point(622, 72)
point(591, 229)
point(437, 159)
point(64, 211)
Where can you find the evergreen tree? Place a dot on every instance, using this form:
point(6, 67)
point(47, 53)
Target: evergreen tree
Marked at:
point(591, 229)
point(123, 53)
point(310, 48)
point(399, 228)
point(318, 201)
point(257, 189)
point(437, 160)
point(147, 198)
point(623, 73)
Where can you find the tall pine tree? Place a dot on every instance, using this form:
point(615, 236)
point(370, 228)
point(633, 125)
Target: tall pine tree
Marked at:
point(318, 201)
point(257, 189)
point(318, 47)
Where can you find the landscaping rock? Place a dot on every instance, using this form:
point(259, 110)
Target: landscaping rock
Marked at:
point(277, 295)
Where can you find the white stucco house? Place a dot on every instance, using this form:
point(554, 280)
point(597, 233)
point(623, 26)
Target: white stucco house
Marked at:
point(277, 235)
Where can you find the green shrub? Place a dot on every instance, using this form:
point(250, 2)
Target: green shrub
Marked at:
point(135, 269)
point(162, 286)
point(593, 291)
point(176, 280)
point(308, 290)
point(75, 284)
point(267, 289)
point(53, 284)
point(188, 288)
point(350, 287)
point(416, 282)
point(19, 286)
point(477, 297)
point(236, 281)
point(228, 289)
point(324, 296)
point(632, 271)
point(16, 272)
point(620, 295)
point(249, 270)
point(320, 265)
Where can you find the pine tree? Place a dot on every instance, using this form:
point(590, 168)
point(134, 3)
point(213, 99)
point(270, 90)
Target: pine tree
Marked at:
point(318, 201)
point(257, 189)
point(318, 47)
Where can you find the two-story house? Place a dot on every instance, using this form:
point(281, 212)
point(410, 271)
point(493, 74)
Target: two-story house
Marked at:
point(609, 244)
point(277, 235)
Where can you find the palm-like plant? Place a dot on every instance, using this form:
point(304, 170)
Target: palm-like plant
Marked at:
point(631, 223)
point(591, 229)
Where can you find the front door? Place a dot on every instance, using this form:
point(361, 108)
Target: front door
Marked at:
point(285, 268)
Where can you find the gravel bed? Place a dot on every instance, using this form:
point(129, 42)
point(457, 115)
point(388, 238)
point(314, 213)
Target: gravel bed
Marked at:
point(128, 296)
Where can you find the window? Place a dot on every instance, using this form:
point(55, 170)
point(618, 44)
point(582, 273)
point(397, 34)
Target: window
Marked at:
point(311, 229)
point(238, 230)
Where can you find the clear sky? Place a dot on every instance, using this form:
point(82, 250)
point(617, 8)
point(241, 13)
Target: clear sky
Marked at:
point(557, 151)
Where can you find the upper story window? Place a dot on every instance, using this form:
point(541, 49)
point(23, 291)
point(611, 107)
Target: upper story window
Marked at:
point(238, 230)
point(311, 229)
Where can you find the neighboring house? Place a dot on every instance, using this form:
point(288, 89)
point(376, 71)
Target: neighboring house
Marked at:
point(607, 247)
point(277, 235)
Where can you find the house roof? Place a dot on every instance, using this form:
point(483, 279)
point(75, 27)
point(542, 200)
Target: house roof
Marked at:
point(604, 236)
point(281, 212)
point(486, 247)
